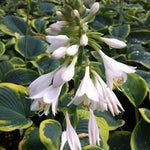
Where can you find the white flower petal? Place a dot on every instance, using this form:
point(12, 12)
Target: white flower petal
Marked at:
point(93, 130)
point(40, 83)
point(57, 80)
point(63, 140)
point(68, 72)
point(72, 136)
point(115, 70)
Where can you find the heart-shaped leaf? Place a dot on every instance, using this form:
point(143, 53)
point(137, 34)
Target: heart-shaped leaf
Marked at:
point(14, 107)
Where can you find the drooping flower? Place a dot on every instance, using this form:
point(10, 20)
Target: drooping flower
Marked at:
point(57, 42)
point(101, 105)
point(109, 96)
point(86, 90)
point(83, 40)
point(93, 130)
point(115, 70)
point(71, 136)
point(40, 83)
point(114, 43)
point(68, 72)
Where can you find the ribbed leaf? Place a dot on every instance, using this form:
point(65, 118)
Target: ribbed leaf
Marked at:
point(121, 31)
point(50, 134)
point(145, 114)
point(39, 25)
point(14, 107)
point(140, 136)
point(119, 140)
point(112, 123)
point(2, 48)
point(135, 89)
point(20, 76)
point(13, 25)
point(30, 47)
point(31, 140)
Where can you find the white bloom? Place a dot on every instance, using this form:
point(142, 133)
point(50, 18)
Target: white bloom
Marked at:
point(55, 28)
point(115, 70)
point(56, 42)
point(86, 90)
point(94, 9)
point(59, 53)
point(57, 80)
point(58, 25)
point(40, 83)
point(40, 106)
point(71, 136)
point(63, 140)
point(109, 96)
point(93, 130)
point(52, 31)
point(83, 40)
point(49, 96)
point(101, 105)
point(72, 50)
point(114, 43)
point(68, 73)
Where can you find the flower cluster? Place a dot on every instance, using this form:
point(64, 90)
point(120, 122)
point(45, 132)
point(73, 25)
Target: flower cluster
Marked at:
point(67, 39)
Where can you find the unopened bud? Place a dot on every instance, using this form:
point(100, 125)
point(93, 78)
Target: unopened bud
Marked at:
point(94, 9)
point(84, 40)
point(114, 43)
point(60, 15)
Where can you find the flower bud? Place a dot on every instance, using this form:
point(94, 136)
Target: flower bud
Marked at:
point(94, 9)
point(60, 15)
point(59, 53)
point(83, 40)
point(114, 43)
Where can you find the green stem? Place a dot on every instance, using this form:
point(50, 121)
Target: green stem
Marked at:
point(136, 115)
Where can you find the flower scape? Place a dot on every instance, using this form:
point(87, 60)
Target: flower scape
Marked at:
point(78, 101)
point(92, 91)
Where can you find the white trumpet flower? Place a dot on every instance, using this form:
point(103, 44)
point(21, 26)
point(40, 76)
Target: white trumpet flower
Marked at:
point(93, 130)
point(115, 70)
point(40, 83)
point(109, 96)
point(86, 90)
point(71, 136)
point(48, 96)
point(83, 40)
point(114, 43)
point(68, 73)
point(101, 105)
point(56, 42)
point(40, 106)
